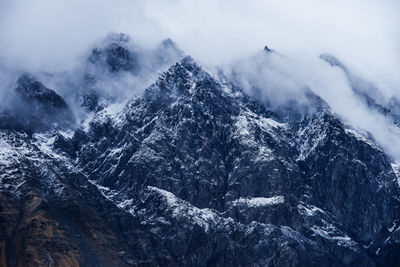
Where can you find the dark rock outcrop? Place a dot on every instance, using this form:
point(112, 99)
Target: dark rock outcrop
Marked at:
point(34, 107)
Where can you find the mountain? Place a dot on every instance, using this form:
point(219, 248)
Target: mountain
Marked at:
point(33, 107)
point(193, 172)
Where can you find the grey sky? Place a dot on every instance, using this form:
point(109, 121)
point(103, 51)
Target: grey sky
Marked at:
point(50, 35)
point(364, 32)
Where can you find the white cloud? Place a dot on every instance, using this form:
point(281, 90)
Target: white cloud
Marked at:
point(364, 34)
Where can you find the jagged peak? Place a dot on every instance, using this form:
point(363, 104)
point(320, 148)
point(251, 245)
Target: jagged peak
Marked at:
point(188, 64)
point(182, 78)
point(32, 107)
point(268, 49)
point(29, 87)
point(167, 52)
point(168, 43)
point(189, 61)
point(28, 84)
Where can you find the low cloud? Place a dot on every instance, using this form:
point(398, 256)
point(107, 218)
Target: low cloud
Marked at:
point(284, 82)
point(52, 39)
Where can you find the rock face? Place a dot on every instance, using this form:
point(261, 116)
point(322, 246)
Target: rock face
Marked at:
point(34, 107)
point(197, 173)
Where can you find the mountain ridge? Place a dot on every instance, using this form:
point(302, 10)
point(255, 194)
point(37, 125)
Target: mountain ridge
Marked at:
point(196, 172)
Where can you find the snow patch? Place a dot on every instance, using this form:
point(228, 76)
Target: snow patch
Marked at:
point(393, 226)
point(310, 141)
point(45, 144)
point(362, 136)
point(246, 123)
point(309, 210)
point(268, 122)
point(258, 201)
point(396, 170)
point(113, 112)
point(180, 208)
point(6, 153)
point(105, 191)
point(330, 232)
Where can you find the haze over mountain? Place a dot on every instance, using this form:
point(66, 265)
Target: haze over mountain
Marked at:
point(234, 148)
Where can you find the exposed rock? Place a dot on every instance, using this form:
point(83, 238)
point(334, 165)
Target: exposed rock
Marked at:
point(34, 107)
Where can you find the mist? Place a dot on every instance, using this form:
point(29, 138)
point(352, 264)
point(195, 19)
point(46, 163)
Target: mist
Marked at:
point(52, 39)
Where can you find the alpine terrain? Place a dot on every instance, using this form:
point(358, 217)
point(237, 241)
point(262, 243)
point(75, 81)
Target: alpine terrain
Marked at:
point(193, 171)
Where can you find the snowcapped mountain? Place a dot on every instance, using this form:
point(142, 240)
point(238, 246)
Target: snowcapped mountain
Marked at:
point(192, 172)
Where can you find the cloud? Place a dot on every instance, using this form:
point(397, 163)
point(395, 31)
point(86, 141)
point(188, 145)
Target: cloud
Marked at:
point(45, 34)
point(49, 36)
point(363, 33)
point(362, 30)
point(284, 82)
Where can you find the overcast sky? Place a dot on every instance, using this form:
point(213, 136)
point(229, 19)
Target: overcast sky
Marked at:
point(365, 32)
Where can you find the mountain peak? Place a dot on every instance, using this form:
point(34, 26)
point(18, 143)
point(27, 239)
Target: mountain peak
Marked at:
point(168, 43)
point(29, 88)
point(267, 49)
point(115, 54)
point(34, 107)
point(188, 61)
